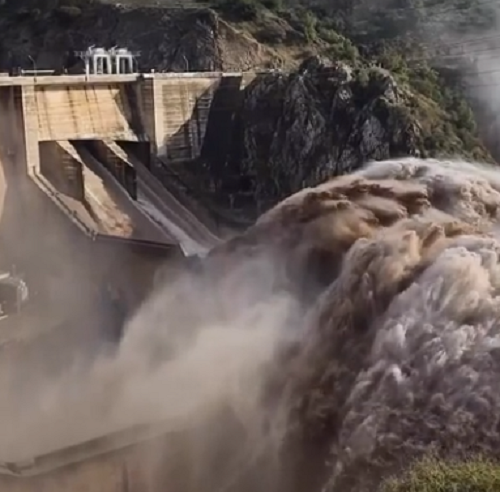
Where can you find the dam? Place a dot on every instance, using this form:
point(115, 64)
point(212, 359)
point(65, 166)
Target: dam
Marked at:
point(82, 151)
point(82, 207)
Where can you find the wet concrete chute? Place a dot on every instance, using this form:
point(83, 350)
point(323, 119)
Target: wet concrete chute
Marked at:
point(188, 245)
point(194, 237)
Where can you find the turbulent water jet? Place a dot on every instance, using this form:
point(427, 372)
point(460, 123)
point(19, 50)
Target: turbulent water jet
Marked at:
point(401, 350)
point(351, 330)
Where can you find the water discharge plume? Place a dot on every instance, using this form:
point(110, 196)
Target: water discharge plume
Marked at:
point(351, 329)
point(400, 351)
point(194, 348)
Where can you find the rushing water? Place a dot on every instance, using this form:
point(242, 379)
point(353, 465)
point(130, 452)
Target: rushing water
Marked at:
point(402, 346)
point(355, 327)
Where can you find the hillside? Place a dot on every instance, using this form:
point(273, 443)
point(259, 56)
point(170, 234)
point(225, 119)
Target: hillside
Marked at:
point(363, 86)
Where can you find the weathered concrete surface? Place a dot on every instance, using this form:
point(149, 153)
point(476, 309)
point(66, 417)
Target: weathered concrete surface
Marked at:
point(183, 106)
point(170, 113)
point(83, 112)
point(169, 110)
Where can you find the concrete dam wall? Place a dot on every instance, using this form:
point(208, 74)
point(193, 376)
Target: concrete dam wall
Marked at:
point(168, 117)
point(82, 112)
point(75, 154)
point(171, 111)
point(67, 224)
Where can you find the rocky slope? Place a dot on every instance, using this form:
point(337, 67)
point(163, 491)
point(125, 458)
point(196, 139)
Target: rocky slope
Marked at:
point(335, 110)
point(167, 39)
point(323, 119)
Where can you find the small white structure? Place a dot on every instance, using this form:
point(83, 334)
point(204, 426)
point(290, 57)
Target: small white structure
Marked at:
point(124, 60)
point(99, 61)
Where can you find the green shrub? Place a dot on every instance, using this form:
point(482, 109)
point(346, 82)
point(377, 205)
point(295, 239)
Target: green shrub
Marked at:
point(329, 35)
point(342, 52)
point(432, 475)
point(272, 4)
point(310, 26)
point(239, 10)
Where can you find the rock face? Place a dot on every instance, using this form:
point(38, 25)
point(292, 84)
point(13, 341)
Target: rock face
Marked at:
point(167, 39)
point(328, 123)
point(297, 130)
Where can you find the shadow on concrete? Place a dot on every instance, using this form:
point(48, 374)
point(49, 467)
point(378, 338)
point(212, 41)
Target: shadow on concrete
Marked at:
point(120, 182)
point(65, 174)
point(127, 101)
point(192, 192)
point(102, 156)
point(213, 179)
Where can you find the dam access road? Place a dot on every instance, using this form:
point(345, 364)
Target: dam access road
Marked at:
point(81, 207)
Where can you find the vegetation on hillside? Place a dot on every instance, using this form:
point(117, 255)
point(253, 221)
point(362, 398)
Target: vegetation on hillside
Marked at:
point(375, 22)
point(394, 36)
point(431, 475)
point(398, 35)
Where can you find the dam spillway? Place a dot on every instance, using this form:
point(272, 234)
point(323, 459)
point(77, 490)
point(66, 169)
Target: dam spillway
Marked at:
point(87, 144)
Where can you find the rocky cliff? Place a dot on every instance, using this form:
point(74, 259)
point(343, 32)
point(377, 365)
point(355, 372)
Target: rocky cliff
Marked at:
point(325, 119)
